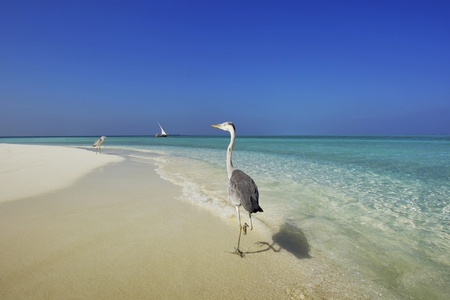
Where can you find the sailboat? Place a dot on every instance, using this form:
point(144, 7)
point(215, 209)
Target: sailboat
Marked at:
point(162, 134)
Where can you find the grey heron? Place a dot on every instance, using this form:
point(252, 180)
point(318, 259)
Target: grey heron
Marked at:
point(242, 190)
point(98, 143)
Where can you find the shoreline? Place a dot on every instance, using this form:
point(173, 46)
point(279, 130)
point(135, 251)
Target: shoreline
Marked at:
point(119, 231)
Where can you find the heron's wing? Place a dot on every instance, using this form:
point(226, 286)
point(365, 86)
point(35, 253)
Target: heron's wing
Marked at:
point(98, 142)
point(243, 190)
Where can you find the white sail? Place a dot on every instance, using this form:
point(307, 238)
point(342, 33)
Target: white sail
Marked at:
point(162, 130)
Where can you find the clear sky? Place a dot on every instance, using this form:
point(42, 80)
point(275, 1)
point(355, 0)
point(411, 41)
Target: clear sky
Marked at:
point(272, 67)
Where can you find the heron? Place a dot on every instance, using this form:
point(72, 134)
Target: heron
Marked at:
point(98, 143)
point(242, 190)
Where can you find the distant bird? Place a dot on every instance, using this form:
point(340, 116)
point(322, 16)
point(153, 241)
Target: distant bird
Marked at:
point(242, 190)
point(98, 143)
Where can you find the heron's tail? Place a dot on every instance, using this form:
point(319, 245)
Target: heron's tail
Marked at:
point(258, 209)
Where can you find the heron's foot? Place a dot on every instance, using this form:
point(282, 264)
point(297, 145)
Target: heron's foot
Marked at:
point(238, 252)
point(245, 228)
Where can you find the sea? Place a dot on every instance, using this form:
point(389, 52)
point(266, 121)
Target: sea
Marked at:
point(376, 206)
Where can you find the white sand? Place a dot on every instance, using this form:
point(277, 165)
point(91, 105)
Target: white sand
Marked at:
point(121, 233)
point(32, 170)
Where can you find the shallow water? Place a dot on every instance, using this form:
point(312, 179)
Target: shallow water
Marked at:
point(379, 207)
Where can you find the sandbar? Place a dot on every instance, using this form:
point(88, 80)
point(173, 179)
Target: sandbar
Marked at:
point(29, 170)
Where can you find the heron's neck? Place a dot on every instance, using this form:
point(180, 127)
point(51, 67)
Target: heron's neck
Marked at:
point(230, 167)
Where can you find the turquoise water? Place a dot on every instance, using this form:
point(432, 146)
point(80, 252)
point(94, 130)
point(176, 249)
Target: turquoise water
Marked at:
point(377, 206)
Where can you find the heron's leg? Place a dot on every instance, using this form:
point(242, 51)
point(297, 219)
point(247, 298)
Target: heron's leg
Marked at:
point(238, 215)
point(239, 252)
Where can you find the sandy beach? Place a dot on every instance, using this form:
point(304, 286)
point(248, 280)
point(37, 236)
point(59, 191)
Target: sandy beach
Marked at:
point(111, 228)
point(32, 170)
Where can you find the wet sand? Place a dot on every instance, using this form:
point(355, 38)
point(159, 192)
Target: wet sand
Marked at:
point(120, 232)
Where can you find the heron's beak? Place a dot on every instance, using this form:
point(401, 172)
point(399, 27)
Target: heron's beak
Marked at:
point(216, 125)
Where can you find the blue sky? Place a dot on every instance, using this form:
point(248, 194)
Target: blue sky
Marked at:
point(271, 67)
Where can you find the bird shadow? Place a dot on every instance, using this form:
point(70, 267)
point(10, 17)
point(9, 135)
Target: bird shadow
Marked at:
point(289, 238)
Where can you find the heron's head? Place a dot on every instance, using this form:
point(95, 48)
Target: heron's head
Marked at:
point(103, 137)
point(227, 126)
